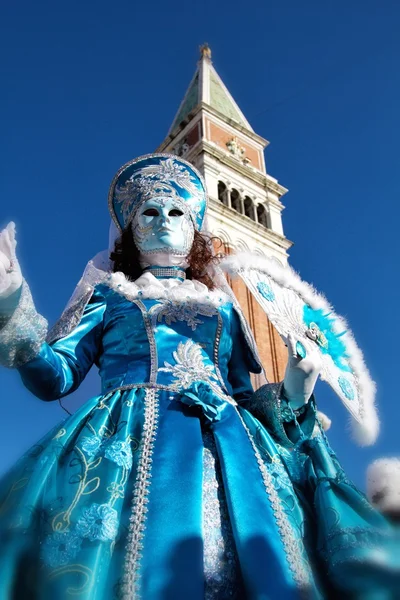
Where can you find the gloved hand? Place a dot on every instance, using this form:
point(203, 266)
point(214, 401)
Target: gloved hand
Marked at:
point(10, 272)
point(302, 371)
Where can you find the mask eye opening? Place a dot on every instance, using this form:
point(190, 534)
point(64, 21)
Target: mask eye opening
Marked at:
point(150, 212)
point(175, 212)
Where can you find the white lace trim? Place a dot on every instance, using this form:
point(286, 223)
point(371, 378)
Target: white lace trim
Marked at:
point(23, 335)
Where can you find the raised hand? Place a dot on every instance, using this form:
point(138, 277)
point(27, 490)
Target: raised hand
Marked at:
point(10, 272)
point(302, 371)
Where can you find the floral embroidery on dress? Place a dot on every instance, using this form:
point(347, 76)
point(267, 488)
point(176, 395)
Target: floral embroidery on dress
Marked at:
point(190, 365)
point(279, 473)
point(120, 452)
point(60, 548)
point(92, 445)
point(98, 522)
point(185, 310)
point(197, 381)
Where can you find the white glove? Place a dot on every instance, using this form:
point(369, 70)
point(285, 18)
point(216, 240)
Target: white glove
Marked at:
point(10, 272)
point(301, 373)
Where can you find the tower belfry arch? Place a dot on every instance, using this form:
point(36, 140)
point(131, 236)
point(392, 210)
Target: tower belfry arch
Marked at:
point(245, 209)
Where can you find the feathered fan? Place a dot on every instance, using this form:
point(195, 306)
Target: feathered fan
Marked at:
point(295, 308)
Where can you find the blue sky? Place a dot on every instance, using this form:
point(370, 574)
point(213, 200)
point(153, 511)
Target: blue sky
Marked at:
point(87, 86)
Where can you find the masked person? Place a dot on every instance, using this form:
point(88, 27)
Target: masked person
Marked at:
point(177, 481)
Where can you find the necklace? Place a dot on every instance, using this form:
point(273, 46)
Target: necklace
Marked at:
point(167, 272)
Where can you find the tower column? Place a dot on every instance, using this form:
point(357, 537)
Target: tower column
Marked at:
point(241, 201)
point(254, 207)
point(228, 194)
point(275, 219)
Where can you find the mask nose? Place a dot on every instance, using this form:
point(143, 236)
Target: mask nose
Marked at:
point(164, 217)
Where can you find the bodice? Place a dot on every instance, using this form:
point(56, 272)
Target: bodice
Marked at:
point(164, 342)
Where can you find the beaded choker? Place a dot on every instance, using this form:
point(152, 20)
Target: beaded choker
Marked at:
point(167, 272)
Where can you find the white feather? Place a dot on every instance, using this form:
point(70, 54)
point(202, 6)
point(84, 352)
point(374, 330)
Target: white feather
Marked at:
point(365, 431)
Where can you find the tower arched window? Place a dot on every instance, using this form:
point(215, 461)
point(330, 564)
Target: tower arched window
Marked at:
point(235, 201)
point(248, 208)
point(262, 215)
point(222, 193)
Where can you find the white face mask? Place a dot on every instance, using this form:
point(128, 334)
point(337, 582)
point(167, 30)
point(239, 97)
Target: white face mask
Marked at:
point(160, 226)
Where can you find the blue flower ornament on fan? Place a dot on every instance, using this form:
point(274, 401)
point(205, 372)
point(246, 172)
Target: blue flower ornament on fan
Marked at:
point(309, 325)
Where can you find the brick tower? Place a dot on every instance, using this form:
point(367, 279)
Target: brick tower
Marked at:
point(211, 132)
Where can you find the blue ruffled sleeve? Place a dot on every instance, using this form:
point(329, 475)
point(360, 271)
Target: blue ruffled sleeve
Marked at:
point(269, 405)
point(22, 329)
point(51, 371)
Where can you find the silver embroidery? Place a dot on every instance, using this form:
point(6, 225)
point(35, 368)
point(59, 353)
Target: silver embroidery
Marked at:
point(221, 565)
point(189, 365)
point(169, 170)
point(185, 310)
point(23, 334)
point(156, 180)
point(216, 351)
point(134, 386)
point(152, 343)
point(190, 368)
point(137, 520)
point(72, 314)
point(293, 547)
point(197, 209)
point(141, 188)
point(70, 318)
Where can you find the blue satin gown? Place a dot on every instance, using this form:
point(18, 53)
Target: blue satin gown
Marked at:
point(165, 486)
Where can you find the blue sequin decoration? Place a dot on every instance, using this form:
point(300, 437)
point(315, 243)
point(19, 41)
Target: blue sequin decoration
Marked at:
point(301, 351)
point(346, 388)
point(266, 291)
point(335, 347)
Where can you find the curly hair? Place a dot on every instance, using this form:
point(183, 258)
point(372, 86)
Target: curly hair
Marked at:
point(126, 257)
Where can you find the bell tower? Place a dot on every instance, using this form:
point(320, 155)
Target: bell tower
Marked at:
point(245, 208)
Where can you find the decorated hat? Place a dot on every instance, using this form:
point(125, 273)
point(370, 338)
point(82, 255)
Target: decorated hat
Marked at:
point(152, 176)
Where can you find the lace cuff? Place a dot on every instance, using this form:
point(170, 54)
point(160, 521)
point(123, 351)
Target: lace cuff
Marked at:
point(23, 333)
point(269, 405)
